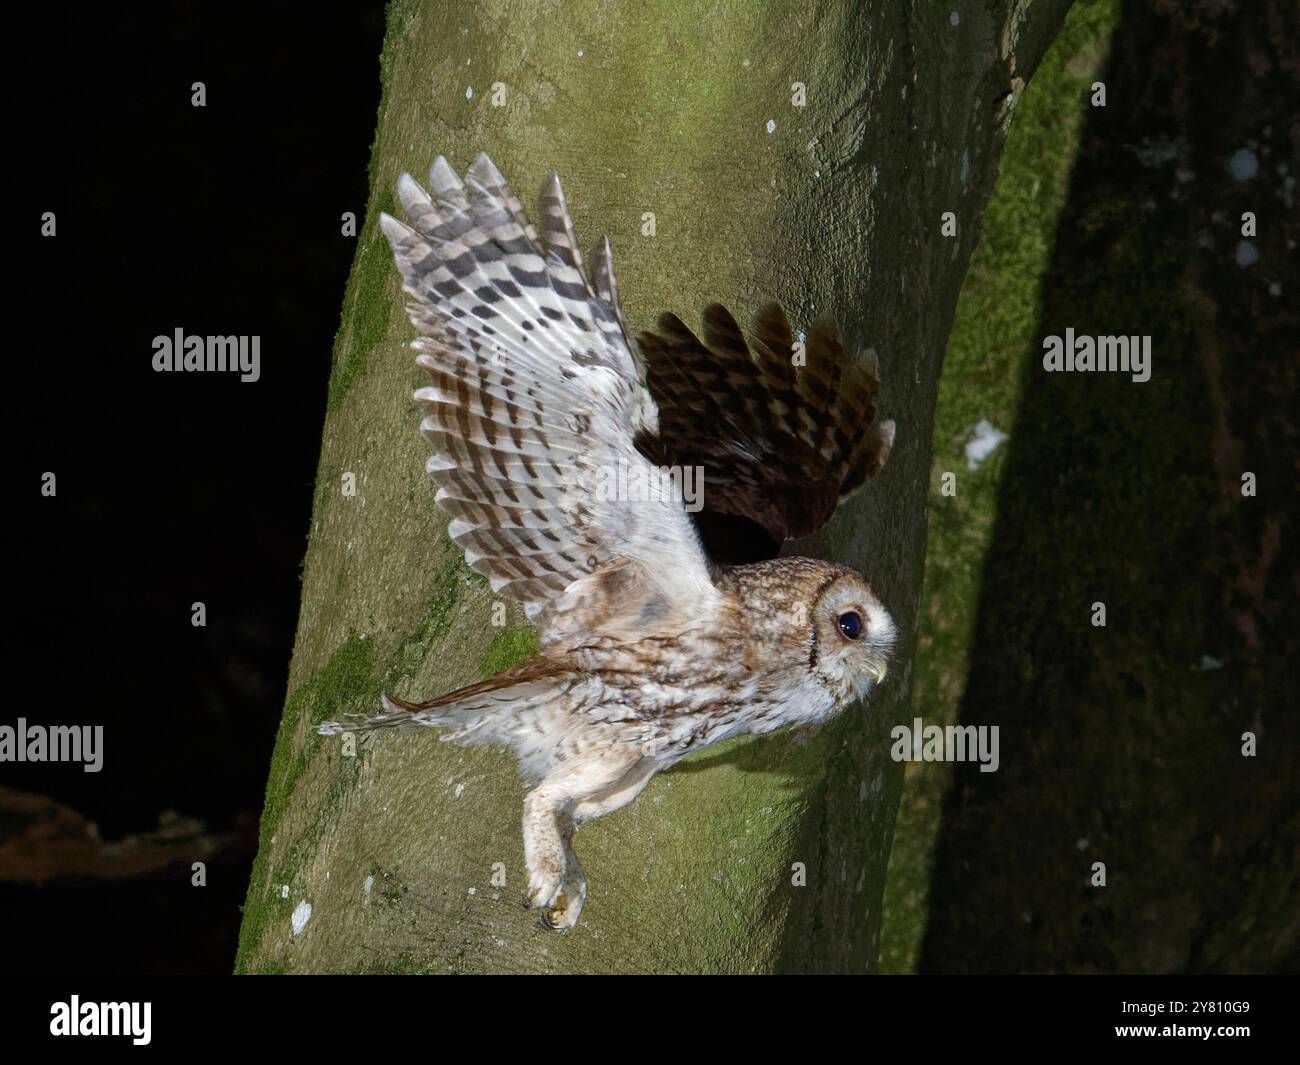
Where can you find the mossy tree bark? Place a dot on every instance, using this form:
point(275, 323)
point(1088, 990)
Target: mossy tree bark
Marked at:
point(393, 860)
point(1163, 748)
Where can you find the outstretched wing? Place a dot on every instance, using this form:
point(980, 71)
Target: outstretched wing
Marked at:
point(533, 406)
point(781, 444)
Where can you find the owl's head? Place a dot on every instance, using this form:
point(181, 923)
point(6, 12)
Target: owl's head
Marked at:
point(852, 636)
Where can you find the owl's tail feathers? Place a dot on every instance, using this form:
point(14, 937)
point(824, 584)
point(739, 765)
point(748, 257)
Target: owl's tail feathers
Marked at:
point(468, 711)
point(397, 713)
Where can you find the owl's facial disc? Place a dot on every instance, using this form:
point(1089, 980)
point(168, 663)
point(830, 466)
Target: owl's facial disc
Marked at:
point(855, 637)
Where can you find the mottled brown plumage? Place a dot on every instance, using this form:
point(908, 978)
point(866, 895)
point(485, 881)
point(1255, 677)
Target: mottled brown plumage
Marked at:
point(552, 435)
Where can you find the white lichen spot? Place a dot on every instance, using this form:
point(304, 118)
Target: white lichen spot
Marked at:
point(301, 915)
point(460, 790)
point(1209, 662)
point(982, 440)
point(1247, 253)
point(954, 19)
point(579, 53)
point(471, 891)
point(284, 891)
point(469, 92)
point(1243, 164)
point(744, 62)
point(771, 125)
point(1082, 844)
point(368, 887)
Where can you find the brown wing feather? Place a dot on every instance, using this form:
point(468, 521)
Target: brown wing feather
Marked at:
point(781, 445)
point(534, 398)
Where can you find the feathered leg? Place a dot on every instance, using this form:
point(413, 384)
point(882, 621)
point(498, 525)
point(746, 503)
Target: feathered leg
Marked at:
point(624, 790)
point(570, 793)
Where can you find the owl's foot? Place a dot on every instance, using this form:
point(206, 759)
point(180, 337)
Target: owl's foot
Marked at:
point(557, 887)
point(567, 907)
point(545, 882)
point(558, 898)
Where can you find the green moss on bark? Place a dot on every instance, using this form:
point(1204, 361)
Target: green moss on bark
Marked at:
point(1122, 744)
point(994, 341)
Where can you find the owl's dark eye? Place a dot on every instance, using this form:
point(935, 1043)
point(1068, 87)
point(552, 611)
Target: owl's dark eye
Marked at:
point(850, 623)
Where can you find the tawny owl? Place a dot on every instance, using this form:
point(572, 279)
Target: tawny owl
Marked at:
point(564, 454)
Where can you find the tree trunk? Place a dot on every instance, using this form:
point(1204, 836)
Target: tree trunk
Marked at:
point(758, 855)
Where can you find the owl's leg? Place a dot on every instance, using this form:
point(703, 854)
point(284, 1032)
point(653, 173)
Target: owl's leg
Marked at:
point(622, 792)
point(573, 892)
point(573, 889)
point(556, 884)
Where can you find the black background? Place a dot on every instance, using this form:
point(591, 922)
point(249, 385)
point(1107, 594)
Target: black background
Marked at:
point(172, 488)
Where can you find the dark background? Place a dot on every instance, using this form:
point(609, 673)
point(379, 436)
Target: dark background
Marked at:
point(1123, 744)
point(172, 488)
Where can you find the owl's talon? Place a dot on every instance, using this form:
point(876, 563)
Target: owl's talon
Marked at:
point(552, 919)
point(564, 914)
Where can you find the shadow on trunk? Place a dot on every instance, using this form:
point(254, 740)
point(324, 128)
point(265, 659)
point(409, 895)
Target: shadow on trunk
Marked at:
point(1123, 744)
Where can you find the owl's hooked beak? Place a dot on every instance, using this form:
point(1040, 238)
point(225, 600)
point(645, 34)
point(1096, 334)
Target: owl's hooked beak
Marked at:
point(872, 673)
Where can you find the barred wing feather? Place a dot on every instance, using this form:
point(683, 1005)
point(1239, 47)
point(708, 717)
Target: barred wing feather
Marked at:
point(534, 402)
